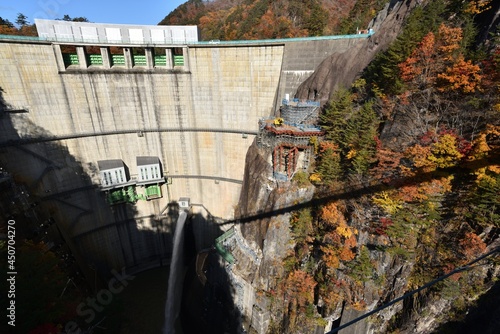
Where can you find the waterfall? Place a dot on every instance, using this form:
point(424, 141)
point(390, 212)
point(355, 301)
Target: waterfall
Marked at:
point(174, 292)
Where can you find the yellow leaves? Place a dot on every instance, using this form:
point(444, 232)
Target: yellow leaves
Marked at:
point(315, 178)
point(420, 155)
point(388, 201)
point(481, 147)
point(485, 178)
point(351, 154)
point(478, 6)
point(444, 152)
point(345, 231)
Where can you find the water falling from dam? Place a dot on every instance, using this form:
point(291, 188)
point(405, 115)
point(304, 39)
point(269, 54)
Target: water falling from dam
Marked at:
point(174, 292)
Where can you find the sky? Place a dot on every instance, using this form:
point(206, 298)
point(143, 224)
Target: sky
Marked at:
point(148, 12)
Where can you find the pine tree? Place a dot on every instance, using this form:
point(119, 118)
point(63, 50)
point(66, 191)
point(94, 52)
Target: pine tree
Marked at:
point(334, 118)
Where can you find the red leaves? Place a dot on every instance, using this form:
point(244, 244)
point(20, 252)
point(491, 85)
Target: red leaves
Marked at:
point(299, 285)
point(472, 245)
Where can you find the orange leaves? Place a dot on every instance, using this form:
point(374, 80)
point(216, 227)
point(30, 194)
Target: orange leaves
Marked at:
point(330, 256)
point(448, 40)
point(443, 153)
point(438, 59)
point(461, 76)
point(472, 245)
point(332, 214)
point(299, 285)
point(421, 59)
point(339, 238)
point(484, 142)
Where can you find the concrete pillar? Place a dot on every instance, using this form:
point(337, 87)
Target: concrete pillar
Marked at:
point(149, 58)
point(106, 61)
point(127, 52)
point(82, 59)
point(185, 53)
point(170, 59)
point(59, 58)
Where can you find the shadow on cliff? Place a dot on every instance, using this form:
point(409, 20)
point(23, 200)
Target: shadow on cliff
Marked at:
point(53, 200)
point(358, 190)
point(208, 294)
point(482, 318)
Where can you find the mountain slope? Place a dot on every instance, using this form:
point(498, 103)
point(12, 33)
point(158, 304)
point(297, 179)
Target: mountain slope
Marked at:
point(261, 19)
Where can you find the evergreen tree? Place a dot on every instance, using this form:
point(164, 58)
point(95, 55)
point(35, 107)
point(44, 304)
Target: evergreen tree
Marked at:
point(22, 20)
point(4, 22)
point(334, 118)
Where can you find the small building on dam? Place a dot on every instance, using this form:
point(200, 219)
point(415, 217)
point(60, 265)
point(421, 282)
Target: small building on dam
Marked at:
point(108, 125)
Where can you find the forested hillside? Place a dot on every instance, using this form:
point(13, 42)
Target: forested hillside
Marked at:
point(260, 19)
point(408, 177)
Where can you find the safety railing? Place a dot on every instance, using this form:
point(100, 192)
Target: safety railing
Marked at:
point(180, 42)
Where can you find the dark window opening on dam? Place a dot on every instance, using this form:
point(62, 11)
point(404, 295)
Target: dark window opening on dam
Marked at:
point(93, 56)
point(70, 57)
point(139, 57)
point(159, 57)
point(117, 57)
point(178, 56)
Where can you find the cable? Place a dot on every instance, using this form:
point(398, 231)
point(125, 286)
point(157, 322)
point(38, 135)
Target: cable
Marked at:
point(408, 294)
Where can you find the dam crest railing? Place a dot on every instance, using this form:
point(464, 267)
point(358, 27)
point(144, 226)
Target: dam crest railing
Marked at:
point(201, 43)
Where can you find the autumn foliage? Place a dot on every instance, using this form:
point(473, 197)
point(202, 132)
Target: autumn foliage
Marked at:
point(438, 60)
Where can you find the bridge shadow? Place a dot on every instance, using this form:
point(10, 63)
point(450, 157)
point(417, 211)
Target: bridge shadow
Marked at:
point(324, 196)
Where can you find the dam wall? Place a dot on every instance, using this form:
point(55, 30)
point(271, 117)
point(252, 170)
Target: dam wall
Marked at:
point(198, 118)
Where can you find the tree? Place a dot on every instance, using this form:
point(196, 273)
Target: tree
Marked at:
point(329, 167)
point(299, 286)
point(6, 23)
point(7, 28)
point(317, 20)
point(22, 20)
point(66, 17)
point(361, 269)
point(383, 72)
point(438, 60)
point(334, 118)
point(462, 76)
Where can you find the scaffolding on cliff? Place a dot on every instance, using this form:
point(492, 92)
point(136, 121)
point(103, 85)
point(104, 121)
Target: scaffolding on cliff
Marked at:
point(290, 137)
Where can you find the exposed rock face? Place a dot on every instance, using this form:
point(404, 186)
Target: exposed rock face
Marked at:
point(266, 242)
point(340, 69)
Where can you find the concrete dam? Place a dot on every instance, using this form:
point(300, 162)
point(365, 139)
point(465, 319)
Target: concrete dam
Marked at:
point(73, 109)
